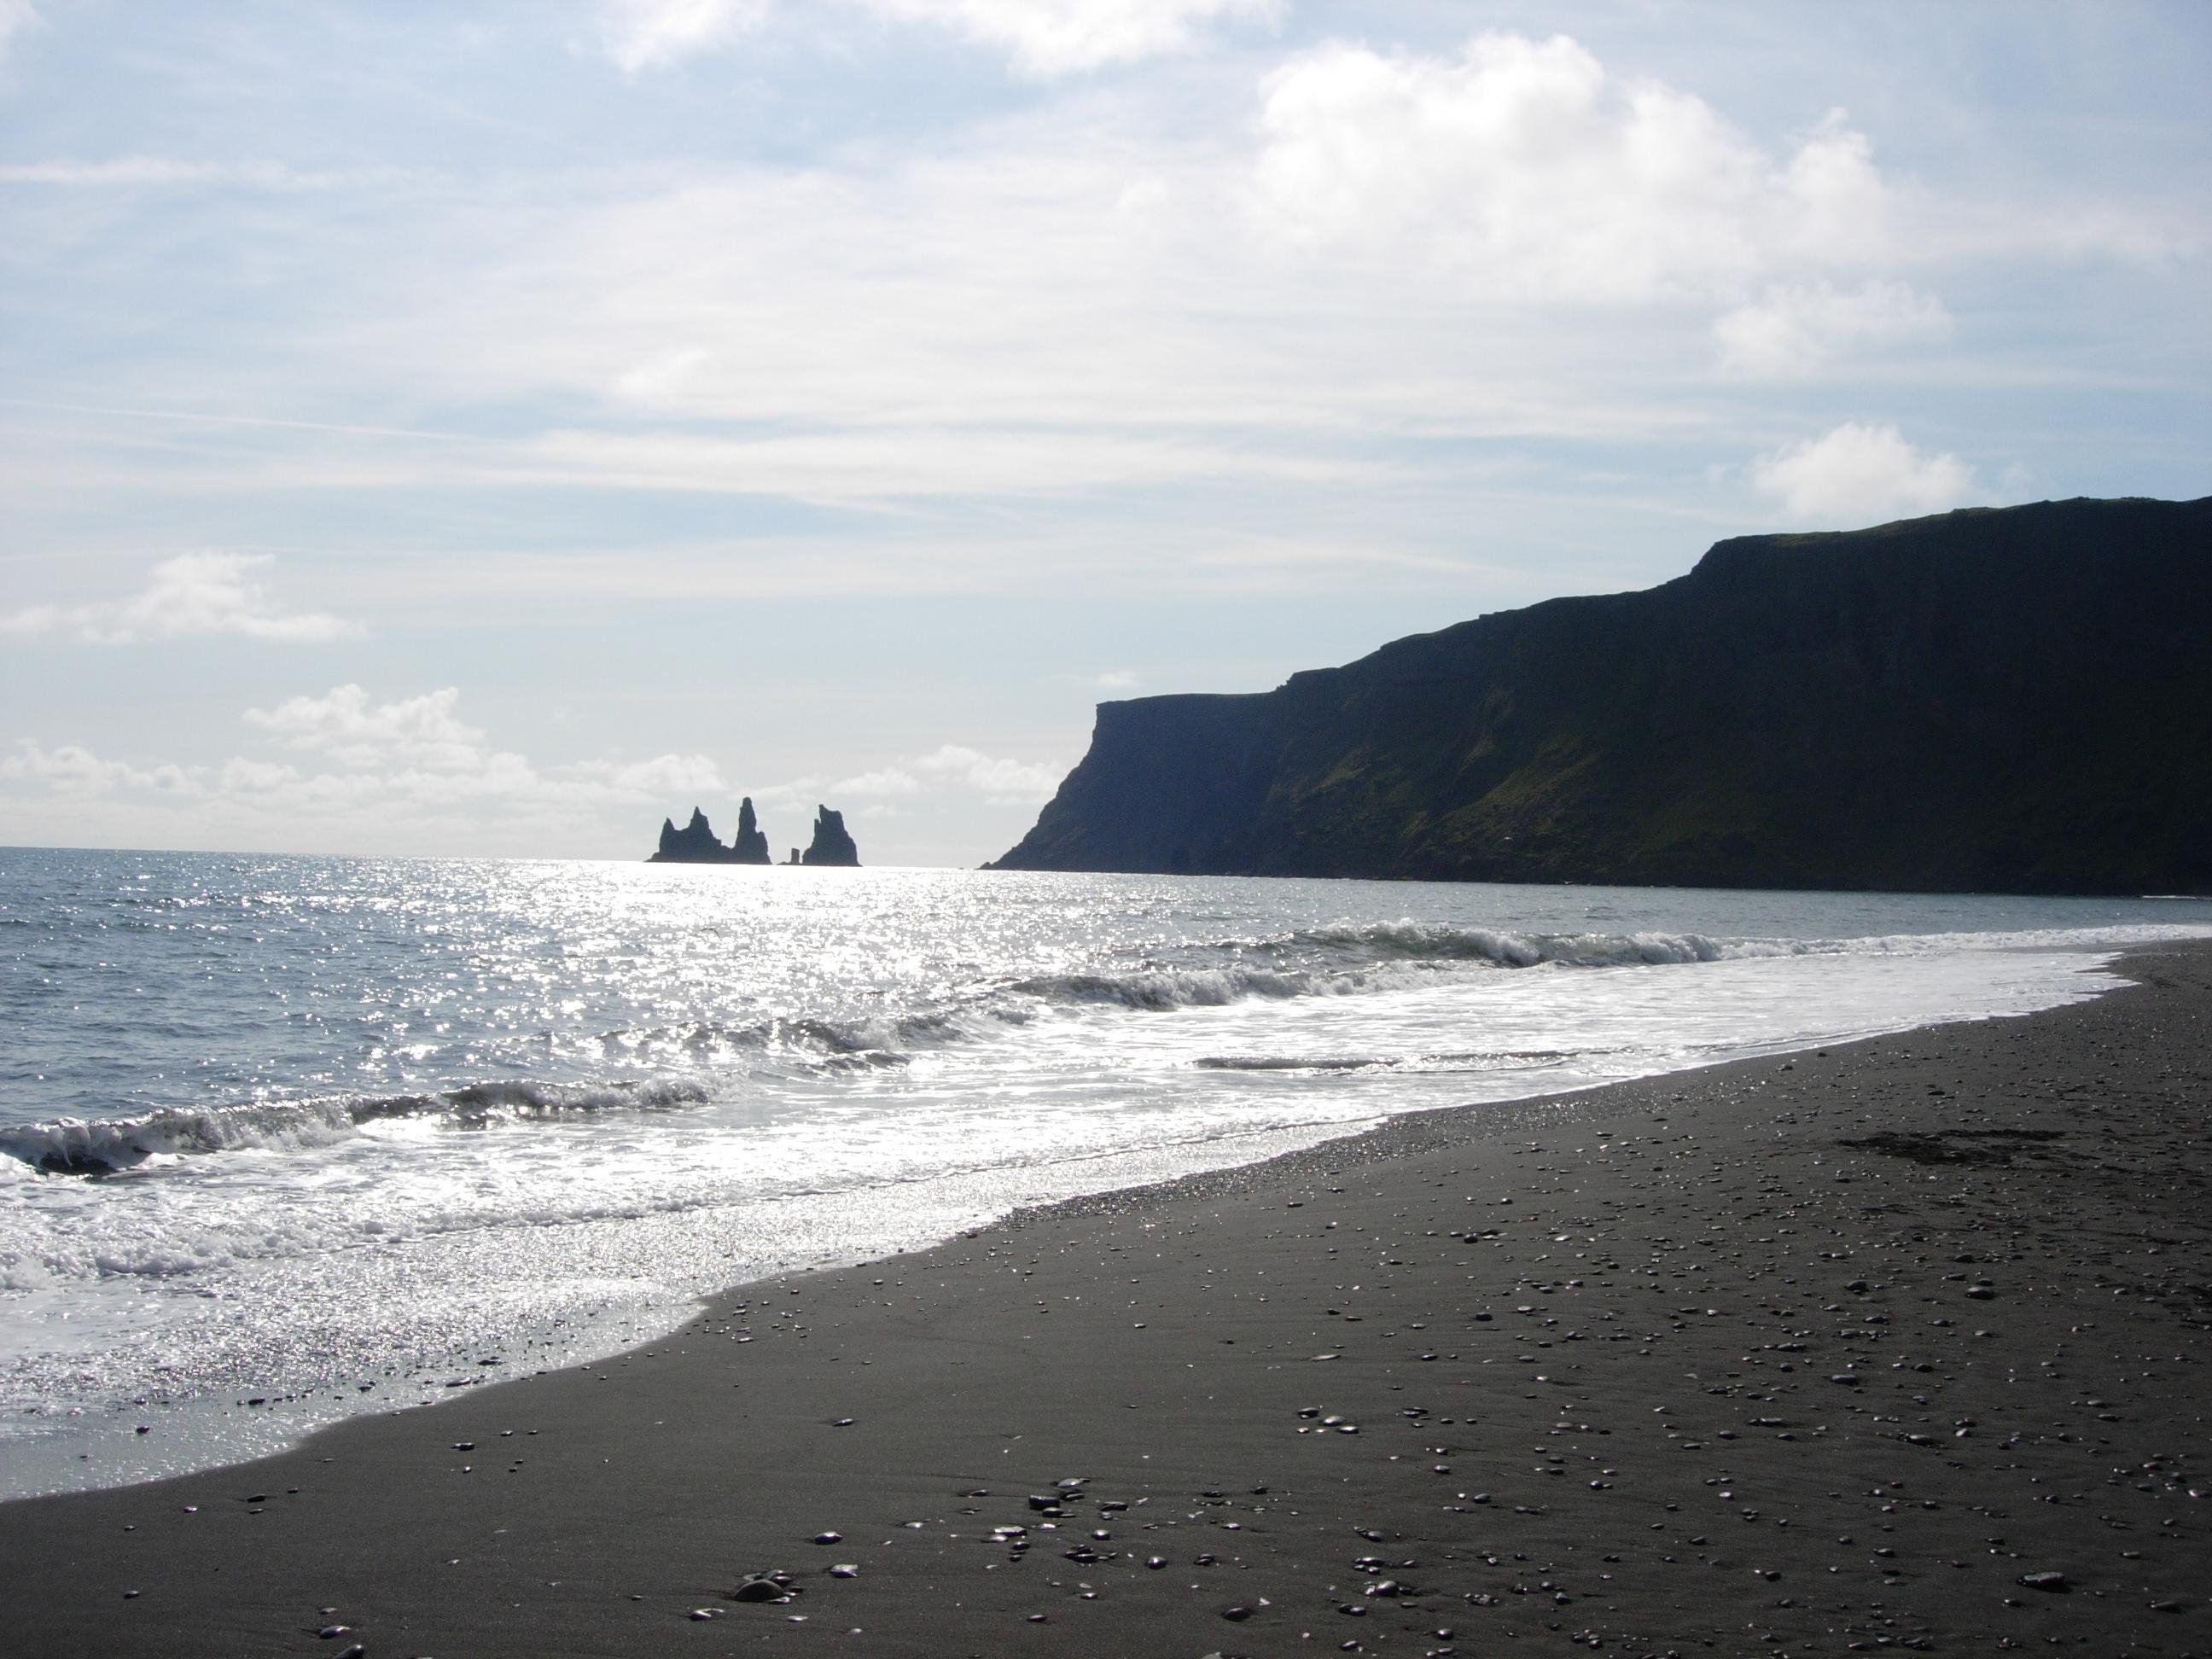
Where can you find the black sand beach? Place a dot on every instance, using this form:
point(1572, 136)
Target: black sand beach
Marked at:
point(1900, 1344)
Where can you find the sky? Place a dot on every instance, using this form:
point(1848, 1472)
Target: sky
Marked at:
point(484, 429)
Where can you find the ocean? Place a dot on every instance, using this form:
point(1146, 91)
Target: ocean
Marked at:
point(290, 1139)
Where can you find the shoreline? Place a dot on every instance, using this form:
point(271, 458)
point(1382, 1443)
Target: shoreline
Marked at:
point(1716, 1250)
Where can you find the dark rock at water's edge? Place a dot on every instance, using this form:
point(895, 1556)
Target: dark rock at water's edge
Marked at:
point(832, 844)
point(2014, 699)
point(695, 843)
point(751, 845)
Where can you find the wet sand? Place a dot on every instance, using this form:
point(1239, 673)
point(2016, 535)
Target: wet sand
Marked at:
point(1837, 1353)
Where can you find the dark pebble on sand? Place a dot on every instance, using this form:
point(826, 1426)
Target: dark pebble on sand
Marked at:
point(2054, 1582)
point(1236, 1615)
point(829, 1537)
point(758, 1589)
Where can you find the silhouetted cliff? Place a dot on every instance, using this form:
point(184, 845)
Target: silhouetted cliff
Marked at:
point(832, 844)
point(694, 843)
point(751, 845)
point(2015, 699)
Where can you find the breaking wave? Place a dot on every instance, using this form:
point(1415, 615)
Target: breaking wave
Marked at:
point(1424, 941)
point(1330, 961)
point(110, 1145)
point(1162, 988)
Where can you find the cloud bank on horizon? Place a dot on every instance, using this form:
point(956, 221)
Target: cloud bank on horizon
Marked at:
point(833, 400)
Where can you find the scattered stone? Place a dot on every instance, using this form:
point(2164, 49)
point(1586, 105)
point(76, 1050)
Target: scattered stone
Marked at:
point(829, 1537)
point(2055, 1582)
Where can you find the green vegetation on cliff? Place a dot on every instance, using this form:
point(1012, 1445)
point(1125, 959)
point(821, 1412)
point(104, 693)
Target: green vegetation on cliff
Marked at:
point(2014, 699)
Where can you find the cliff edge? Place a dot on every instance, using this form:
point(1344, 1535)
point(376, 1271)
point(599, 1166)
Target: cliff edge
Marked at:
point(2014, 699)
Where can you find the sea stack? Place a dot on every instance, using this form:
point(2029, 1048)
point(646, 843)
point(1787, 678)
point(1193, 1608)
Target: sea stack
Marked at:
point(832, 844)
point(694, 843)
point(751, 844)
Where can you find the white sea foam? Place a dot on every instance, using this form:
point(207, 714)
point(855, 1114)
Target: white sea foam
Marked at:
point(368, 1118)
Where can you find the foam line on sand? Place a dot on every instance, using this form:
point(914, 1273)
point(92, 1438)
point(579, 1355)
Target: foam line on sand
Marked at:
point(1900, 1344)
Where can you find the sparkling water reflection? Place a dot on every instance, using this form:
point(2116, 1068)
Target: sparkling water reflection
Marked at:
point(325, 1130)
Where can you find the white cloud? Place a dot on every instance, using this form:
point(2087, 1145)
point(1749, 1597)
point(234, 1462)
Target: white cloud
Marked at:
point(194, 593)
point(420, 746)
point(73, 769)
point(407, 768)
point(17, 17)
point(950, 768)
point(1042, 37)
point(1031, 305)
point(869, 463)
point(884, 780)
point(1116, 679)
point(126, 172)
point(1059, 37)
point(1530, 170)
point(1000, 780)
point(1860, 475)
point(642, 34)
point(1791, 331)
point(355, 732)
point(667, 774)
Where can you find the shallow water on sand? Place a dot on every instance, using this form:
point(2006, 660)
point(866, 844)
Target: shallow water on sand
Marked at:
point(337, 1134)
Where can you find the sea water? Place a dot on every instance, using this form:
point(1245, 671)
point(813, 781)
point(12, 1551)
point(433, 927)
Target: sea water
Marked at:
point(286, 1138)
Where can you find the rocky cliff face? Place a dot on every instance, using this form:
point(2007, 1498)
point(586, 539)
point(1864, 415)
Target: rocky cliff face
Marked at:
point(831, 845)
point(2013, 700)
point(751, 844)
point(694, 843)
